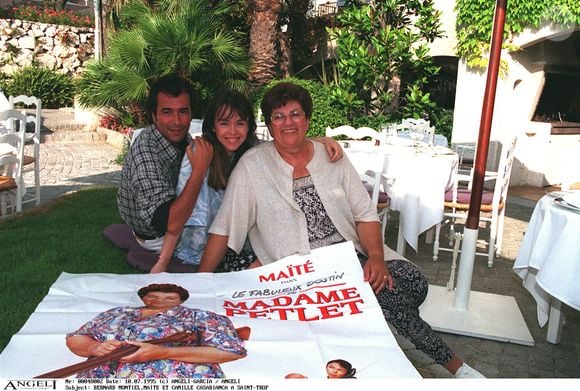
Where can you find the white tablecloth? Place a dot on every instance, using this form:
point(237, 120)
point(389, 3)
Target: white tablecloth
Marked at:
point(416, 180)
point(549, 257)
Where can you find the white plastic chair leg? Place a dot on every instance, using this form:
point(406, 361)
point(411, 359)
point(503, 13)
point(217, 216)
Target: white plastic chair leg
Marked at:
point(400, 241)
point(491, 244)
point(37, 181)
point(499, 240)
point(451, 230)
point(384, 222)
point(436, 242)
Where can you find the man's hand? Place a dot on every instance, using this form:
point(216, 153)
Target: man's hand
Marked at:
point(159, 267)
point(333, 148)
point(199, 153)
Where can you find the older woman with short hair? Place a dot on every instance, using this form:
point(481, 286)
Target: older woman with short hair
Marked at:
point(287, 198)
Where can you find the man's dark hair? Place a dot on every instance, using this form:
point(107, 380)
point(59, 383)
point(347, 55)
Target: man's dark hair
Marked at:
point(171, 84)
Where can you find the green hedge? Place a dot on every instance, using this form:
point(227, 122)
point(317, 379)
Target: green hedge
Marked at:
point(54, 88)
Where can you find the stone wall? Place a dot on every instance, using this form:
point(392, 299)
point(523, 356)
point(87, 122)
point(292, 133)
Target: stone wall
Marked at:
point(63, 48)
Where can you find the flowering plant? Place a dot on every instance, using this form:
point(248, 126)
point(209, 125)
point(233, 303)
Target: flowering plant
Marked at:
point(115, 123)
point(47, 15)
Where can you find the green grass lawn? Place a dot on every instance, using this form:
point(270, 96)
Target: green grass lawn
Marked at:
point(62, 236)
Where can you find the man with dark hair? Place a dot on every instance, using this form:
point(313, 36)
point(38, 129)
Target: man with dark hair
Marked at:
point(147, 198)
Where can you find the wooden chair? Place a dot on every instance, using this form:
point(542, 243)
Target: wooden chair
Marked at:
point(372, 180)
point(492, 206)
point(11, 165)
point(31, 138)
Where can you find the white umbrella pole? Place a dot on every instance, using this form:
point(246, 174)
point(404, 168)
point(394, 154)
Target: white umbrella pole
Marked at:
point(465, 271)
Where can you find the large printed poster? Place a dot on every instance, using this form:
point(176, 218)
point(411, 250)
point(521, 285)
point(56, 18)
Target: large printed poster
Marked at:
point(301, 312)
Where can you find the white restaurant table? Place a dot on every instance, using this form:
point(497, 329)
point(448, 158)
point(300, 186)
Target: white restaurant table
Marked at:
point(416, 180)
point(549, 261)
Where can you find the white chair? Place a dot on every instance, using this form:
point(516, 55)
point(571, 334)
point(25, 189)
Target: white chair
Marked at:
point(417, 128)
point(354, 134)
point(492, 206)
point(372, 179)
point(262, 131)
point(15, 123)
point(33, 138)
point(11, 165)
point(466, 153)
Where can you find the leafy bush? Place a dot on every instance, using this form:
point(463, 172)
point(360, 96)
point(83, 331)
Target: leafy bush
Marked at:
point(55, 89)
point(47, 15)
point(442, 119)
point(378, 42)
point(324, 113)
point(4, 80)
point(173, 36)
point(115, 123)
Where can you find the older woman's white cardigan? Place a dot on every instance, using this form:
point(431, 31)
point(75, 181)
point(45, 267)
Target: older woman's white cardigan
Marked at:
point(259, 203)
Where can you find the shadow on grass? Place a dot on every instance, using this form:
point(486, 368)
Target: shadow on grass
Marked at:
point(63, 235)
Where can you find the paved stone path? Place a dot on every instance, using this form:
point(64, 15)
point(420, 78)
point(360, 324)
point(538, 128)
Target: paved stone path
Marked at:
point(69, 165)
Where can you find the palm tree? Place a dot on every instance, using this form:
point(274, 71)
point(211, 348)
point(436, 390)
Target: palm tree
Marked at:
point(185, 37)
point(263, 40)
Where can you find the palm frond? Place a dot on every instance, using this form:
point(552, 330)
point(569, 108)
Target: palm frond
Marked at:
point(185, 37)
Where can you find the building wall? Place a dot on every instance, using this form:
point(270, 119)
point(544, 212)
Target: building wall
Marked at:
point(445, 46)
point(541, 158)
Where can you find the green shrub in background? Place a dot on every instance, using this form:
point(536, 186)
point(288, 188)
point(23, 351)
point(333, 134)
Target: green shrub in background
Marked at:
point(4, 80)
point(54, 88)
point(324, 113)
point(442, 119)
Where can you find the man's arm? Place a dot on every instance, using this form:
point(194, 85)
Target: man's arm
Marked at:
point(333, 148)
point(183, 205)
point(170, 241)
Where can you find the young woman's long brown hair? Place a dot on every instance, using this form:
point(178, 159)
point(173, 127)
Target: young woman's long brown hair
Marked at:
point(224, 105)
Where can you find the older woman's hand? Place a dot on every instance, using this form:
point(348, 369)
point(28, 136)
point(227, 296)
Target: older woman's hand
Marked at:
point(377, 274)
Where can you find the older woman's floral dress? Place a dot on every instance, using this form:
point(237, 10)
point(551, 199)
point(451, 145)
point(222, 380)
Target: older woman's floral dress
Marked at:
point(126, 323)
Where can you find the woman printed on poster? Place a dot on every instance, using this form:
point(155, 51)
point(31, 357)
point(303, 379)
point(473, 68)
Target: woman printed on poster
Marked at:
point(163, 315)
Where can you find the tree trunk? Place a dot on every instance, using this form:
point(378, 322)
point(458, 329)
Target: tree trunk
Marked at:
point(285, 62)
point(263, 38)
point(298, 37)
